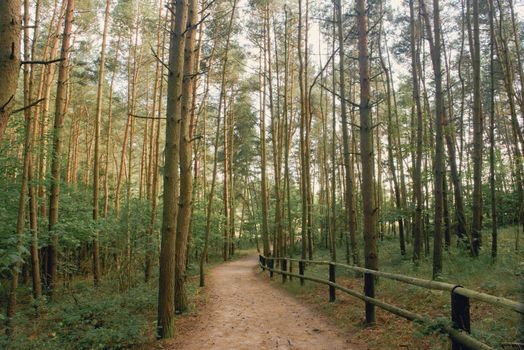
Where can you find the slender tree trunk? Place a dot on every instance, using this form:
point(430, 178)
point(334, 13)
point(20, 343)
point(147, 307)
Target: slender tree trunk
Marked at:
point(121, 171)
point(350, 212)
point(492, 132)
point(263, 166)
point(153, 182)
point(12, 301)
point(366, 155)
point(307, 143)
point(109, 135)
point(287, 138)
point(391, 145)
point(476, 225)
point(507, 71)
point(333, 223)
point(210, 206)
point(225, 250)
point(277, 249)
point(96, 156)
point(231, 137)
point(303, 127)
point(439, 121)
point(417, 174)
point(60, 112)
point(32, 188)
point(186, 148)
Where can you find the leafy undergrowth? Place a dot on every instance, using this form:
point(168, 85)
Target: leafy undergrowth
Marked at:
point(489, 324)
point(110, 317)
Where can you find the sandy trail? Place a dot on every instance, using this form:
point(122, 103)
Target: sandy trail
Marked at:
point(245, 312)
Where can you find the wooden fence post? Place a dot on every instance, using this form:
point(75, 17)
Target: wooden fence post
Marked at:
point(263, 259)
point(301, 268)
point(459, 316)
point(290, 269)
point(271, 265)
point(284, 270)
point(332, 279)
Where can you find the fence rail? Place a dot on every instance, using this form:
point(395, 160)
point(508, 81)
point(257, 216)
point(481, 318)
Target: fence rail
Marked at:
point(460, 296)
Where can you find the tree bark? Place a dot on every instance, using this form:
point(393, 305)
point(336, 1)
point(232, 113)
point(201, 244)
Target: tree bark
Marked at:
point(10, 29)
point(366, 156)
point(186, 148)
point(166, 290)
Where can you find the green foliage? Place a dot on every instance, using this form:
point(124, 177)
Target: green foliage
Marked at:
point(9, 255)
point(433, 326)
point(82, 321)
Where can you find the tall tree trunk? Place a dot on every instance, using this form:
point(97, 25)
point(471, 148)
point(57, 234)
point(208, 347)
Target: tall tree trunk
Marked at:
point(166, 288)
point(275, 126)
point(391, 145)
point(96, 156)
point(11, 304)
point(439, 121)
point(333, 223)
point(303, 127)
point(186, 148)
point(48, 82)
point(231, 155)
point(209, 208)
point(263, 166)
point(366, 155)
point(492, 132)
point(307, 140)
point(225, 250)
point(476, 224)
point(417, 174)
point(507, 71)
point(153, 182)
point(109, 134)
point(60, 113)
point(287, 139)
point(32, 188)
point(121, 171)
point(350, 212)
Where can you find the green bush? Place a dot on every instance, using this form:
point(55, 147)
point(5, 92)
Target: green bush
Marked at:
point(105, 321)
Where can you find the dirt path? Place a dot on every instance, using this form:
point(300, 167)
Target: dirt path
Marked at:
point(245, 312)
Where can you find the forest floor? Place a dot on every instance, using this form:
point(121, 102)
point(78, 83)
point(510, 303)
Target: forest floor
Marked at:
point(244, 311)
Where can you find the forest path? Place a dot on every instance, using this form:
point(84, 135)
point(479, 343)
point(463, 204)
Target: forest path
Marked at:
point(244, 311)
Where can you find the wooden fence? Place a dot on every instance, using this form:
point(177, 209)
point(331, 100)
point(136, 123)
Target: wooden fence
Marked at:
point(458, 331)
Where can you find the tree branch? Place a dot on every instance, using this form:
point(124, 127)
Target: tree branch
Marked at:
point(42, 62)
point(159, 60)
point(34, 103)
point(145, 117)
